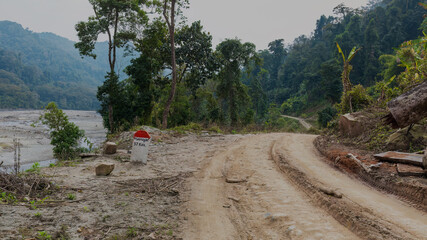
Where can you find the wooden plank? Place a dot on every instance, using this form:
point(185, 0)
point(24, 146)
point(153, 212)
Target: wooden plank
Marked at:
point(405, 170)
point(400, 157)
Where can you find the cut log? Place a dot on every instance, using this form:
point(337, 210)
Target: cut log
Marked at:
point(409, 107)
point(405, 170)
point(424, 160)
point(399, 157)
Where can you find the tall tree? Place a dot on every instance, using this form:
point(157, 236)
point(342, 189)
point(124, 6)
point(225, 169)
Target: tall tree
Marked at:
point(119, 20)
point(171, 8)
point(233, 57)
point(278, 51)
point(194, 56)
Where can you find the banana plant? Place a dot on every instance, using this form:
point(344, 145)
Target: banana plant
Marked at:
point(345, 76)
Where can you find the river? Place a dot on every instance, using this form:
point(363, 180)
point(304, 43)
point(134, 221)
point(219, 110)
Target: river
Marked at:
point(35, 144)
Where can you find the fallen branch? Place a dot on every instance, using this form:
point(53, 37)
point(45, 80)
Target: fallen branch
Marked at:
point(363, 166)
point(234, 199)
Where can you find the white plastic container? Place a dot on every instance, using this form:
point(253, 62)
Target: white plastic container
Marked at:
point(141, 141)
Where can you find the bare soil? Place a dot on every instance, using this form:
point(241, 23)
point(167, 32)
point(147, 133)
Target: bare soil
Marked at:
point(134, 202)
point(383, 177)
point(201, 186)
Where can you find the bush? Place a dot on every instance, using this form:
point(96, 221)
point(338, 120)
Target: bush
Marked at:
point(326, 115)
point(65, 135)
point(359, 100)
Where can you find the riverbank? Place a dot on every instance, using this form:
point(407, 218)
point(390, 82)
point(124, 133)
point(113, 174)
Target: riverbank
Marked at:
point(35, 144)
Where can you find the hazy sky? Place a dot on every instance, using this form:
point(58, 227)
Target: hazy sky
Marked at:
point(257, 21)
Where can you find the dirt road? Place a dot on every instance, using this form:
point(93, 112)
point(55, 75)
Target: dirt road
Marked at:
point(275, 186)
point(302, 121)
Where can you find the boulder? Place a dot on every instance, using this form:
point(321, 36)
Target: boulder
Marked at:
point(401, 140)
point(110, 148)
point(352, 124)
point(104, 169)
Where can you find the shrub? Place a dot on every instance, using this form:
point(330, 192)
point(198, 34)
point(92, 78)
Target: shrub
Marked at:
point(359, 100)
point(64, 135)
point(326, 115)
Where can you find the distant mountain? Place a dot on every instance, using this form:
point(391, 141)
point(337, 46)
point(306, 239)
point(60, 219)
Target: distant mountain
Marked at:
point(36, 68)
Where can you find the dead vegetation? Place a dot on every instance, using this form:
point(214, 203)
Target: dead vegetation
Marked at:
point(25, 185)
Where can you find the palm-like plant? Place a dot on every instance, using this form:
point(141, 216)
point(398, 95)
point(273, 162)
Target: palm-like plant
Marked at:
point(345, 76)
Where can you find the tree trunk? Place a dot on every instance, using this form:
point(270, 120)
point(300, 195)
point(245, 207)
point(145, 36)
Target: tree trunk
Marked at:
point(409, 107)
point(110, 117)
point(171, 26)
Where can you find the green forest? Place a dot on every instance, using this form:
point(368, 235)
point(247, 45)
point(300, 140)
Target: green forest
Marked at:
point(37, 68)
point(175, 76)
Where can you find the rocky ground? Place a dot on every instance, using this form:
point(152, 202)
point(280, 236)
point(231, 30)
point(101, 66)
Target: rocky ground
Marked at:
point(135, 202)
point(212, 186)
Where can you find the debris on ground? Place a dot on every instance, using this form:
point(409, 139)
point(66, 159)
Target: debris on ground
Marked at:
point(400, 157)
point(104, 169)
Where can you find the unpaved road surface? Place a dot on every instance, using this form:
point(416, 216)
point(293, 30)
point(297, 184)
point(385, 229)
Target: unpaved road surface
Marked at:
point(302, 121)
point(212, 186)
point(275, 186)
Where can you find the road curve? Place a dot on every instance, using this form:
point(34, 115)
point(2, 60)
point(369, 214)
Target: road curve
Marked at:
point(302, 121)
point(267, 187)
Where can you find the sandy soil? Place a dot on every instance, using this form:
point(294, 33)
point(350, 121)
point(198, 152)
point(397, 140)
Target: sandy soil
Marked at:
point(143, 199)
point(281, 195)
point(265, 186)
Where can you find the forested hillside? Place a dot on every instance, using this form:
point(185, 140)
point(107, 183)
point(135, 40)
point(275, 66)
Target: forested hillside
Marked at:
point(307, 73)
point(234, 85)
point(189, 80)
point(37, 68)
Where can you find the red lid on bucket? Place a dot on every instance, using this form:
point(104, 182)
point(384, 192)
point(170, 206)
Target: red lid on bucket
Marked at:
point(141, 134)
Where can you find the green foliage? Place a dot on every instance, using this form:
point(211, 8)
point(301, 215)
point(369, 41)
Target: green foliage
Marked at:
point(7, 198)
point(413, 56)
point(43, 67)
point(64, 135)
point(191, 127)
point(233, 55)
point(310, 67)
point(42, 235)
point(131, 232)
point(359, 99)
point(326, 115)
point(71, 196)
point(35, 168)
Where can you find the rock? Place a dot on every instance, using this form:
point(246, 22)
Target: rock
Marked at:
point(110, 148)
point(104, 169)
point(152, 235)
point(398, 141)
point(401, 140)
point(352, 124)
point(405, 170)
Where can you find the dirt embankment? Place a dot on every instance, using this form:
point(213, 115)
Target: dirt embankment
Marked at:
point(275, 186)
point(383, 175)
